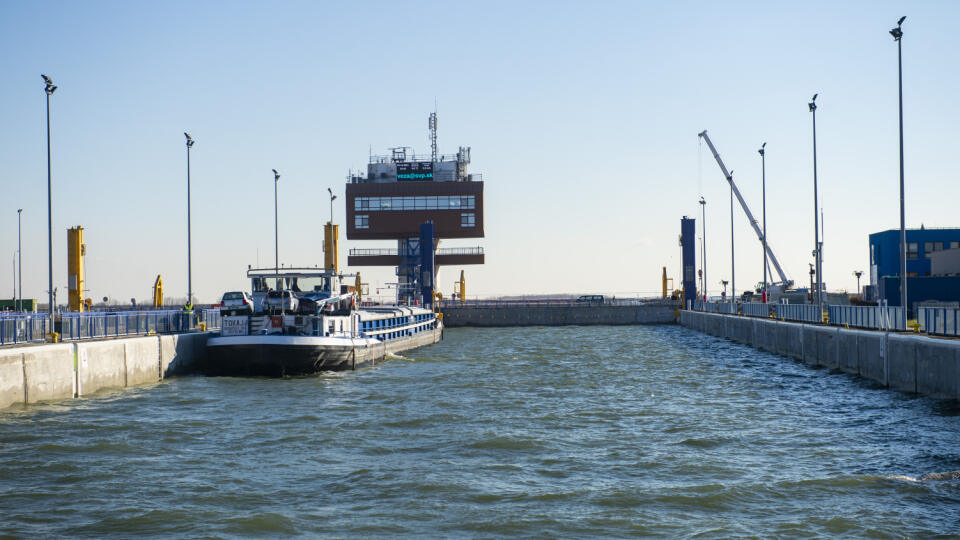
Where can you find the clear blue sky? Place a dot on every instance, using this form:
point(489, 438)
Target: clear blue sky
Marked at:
point(583, 119)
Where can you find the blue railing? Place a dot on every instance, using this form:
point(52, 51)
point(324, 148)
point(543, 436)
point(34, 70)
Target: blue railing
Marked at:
point(939, 321)
point(755, 309)
point(33, 328)
point(30, 328)
point(875, 317)
point(211, 317)
point(728, 307)
point(798, 312)
point(97, 325)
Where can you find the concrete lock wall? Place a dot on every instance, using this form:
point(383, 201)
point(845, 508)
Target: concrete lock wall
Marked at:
point(559, 315)
point(29, 374)
point(904, 362)
point(11, 377)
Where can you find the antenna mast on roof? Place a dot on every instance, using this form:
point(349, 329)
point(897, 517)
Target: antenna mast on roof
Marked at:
point(432, 124)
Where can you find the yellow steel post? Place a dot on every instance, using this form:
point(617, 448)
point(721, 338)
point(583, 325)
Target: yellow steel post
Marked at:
point(463, 288)
point(76, 250)
point(664, 281)
point(331, 234)
point(359, 287)
point(158, 292)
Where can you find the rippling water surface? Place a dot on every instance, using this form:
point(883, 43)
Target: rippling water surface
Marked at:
point(574, 431)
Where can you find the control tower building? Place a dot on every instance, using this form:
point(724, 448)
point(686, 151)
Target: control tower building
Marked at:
point(417, 200)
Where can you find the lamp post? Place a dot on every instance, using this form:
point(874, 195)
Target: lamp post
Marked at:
point(724, 283)
point(332, 198)
point(276, 229)
point(703, 210)
point(763, 168)
point(858, 273)
point(897, 33)
point(816, 218)
point(189, 259)
point(733, 272)
point(49, 88)
point(20, 259)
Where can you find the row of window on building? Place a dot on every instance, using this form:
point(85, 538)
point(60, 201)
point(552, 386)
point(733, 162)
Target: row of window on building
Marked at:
point(441, 202)
point(362, 221)
point(928, 248)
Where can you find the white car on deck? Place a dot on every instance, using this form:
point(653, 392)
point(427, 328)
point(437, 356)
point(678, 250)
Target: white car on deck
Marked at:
point(236, 303)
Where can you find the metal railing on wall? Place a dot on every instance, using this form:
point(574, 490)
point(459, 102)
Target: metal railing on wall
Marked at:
point(33, 328)
point(552, 302)
point(939, 321)
point(755, 309)
point(798, 312)
point(728, 307)
point(875, 317)
point(30, 328)
point(75, 326)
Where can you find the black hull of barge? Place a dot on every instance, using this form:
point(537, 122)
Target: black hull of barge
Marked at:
point(276, 360)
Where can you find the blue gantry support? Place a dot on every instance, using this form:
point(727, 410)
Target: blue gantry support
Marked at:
point(688, 242)
point(426, 263)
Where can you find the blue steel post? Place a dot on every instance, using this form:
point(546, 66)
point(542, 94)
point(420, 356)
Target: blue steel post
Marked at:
point(426, 263)
point(688, 233)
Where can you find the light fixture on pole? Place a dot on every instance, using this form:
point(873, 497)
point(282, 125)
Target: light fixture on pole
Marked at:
point(816, 217)
point(763, 168)
point(897, 34)
point(703, 210)
point(189, 258)
point(20, 260)
point(858, 273)
point(49, 88)
point(276, 229)
point(724, 283)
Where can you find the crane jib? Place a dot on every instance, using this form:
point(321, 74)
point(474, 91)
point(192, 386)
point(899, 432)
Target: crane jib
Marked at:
point(746, 209)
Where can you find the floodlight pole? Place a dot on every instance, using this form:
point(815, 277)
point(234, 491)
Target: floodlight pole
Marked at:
point(763, 161)
point(49, 89)
point(816, 217)
point(733, 272)
point(897, 34)
point(703, 210)
point(20, 260)
point(189, 253)
point(276, 230)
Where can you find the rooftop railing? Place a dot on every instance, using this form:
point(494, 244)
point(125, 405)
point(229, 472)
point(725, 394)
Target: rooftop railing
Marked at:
point(392, 252)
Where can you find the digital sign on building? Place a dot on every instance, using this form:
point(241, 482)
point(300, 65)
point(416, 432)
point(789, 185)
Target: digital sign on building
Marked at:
point(415, 171)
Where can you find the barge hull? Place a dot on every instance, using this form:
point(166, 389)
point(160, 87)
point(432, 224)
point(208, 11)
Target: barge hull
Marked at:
point(236, 358)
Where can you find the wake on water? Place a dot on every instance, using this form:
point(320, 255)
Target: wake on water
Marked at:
point(929, 477)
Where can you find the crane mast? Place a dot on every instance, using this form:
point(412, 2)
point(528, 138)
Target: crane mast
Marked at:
point(784, 282)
